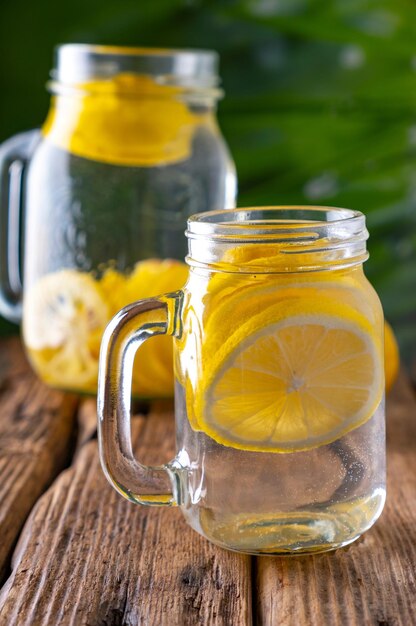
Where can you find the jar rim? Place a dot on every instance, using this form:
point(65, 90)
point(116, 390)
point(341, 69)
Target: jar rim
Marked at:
point(312, 237)
point(251, 222)
point(77, 63)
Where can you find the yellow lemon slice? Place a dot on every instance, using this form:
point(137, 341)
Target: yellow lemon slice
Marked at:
point(113, 285)
point(153, 371)
point(391, 356)
point(128, 120)
point(265, 271)
point(65, 314)
point(64, 317)
point(296, 376)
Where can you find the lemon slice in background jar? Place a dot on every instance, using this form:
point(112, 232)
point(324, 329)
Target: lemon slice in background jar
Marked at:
point(113, 285)
point(134, 122)
point(153, 370)
point(65, 315)
point(298, 375)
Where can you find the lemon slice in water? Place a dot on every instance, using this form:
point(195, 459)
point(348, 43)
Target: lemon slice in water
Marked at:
point(153, 373)
point(64, 318)
point(298, 375)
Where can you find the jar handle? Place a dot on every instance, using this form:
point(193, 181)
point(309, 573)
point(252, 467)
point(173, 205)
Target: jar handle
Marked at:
point(122, 338)
point(14, 156)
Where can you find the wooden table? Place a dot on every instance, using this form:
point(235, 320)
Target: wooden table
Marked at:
point(72, 551)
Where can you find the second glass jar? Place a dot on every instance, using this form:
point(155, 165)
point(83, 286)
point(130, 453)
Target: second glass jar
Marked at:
point(129, 150)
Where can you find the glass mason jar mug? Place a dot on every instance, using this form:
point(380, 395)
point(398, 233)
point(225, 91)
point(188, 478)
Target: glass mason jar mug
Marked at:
point(279, 397)
point(129, 150)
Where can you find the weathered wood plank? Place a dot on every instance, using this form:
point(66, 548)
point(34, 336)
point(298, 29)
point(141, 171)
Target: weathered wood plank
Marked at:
point(87, 422)
point(87, 557)
point(36, 427)
point(373, 582)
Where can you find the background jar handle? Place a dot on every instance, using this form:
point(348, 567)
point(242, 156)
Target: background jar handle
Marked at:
point(14, 156)
point(122, 338)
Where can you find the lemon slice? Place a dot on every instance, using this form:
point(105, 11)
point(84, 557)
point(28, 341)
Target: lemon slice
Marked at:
point(391, 356)
point(64, 318)
point(128, 120)
point(153, 372)
point(298, 375)
point(113, 285)
point(266, 276)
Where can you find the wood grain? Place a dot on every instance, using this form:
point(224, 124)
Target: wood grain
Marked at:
point(372, 582)
point(88, 557)
point(36, 428)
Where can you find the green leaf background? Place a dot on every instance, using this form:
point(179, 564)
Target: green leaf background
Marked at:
point(320, 103)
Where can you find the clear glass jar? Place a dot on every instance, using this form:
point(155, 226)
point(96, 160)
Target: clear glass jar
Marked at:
point(279, 397)
point(130, 148)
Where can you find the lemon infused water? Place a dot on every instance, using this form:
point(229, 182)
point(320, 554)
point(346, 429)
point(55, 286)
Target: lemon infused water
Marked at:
point(280, 393)
point(279, 398)
point(129, 149)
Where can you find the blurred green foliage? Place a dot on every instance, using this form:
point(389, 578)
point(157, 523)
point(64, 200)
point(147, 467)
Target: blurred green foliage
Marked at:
point(320, 103)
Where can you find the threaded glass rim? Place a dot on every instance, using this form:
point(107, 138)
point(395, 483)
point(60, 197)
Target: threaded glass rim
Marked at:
point(183, 68)
point(308, 237)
